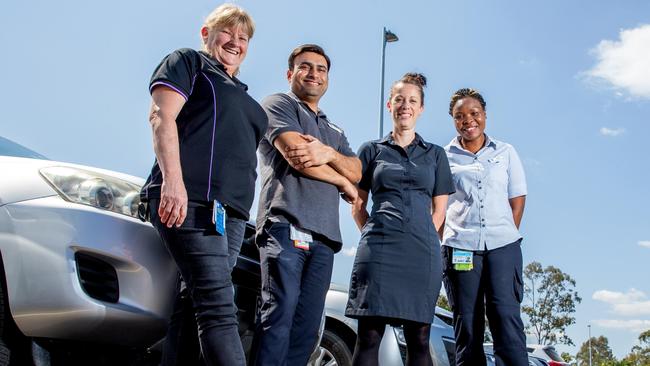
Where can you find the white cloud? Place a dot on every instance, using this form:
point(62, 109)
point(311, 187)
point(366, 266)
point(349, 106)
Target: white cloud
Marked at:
point(631, 303)
point(644, 243)
point(611, 131)
point(349, 251)
point(613, 297)
point(623, 63)
point(634, 325)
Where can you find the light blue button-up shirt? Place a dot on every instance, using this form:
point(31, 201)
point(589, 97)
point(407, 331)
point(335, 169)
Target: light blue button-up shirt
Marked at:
point(479, 216)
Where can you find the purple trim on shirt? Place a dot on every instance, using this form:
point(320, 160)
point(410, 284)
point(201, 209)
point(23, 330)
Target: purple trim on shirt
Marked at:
point(193, 80)
point(214, 126)
point(169, 86)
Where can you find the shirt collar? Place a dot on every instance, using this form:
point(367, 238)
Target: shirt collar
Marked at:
point(320, 113)
point(221, 67)
point(388, 139)
point(455, 142)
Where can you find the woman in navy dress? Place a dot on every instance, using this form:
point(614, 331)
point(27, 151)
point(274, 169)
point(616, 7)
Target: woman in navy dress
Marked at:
point(397, 271)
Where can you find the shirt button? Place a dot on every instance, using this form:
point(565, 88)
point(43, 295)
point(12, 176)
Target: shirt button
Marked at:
point(479, 181)
point(483, 225)
point(482, 219)
point(481, 206)
point(480, 187)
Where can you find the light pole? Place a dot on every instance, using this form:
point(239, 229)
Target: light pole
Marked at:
point(386, 36)
point(589, 326)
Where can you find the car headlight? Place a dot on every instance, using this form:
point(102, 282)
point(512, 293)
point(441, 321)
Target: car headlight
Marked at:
point(399, 336)
point(94, 189)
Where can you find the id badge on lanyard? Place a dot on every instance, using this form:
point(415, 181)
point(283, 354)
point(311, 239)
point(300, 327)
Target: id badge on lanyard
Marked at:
point(219, 217)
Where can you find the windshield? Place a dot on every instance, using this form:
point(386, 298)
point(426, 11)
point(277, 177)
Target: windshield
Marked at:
point(552, 353)
point(10, 148)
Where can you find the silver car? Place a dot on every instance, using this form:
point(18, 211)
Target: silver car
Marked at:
point(76, 264)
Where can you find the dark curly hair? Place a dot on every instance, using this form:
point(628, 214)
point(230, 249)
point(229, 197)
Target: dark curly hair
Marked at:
point(413, 78)
point(465, 93)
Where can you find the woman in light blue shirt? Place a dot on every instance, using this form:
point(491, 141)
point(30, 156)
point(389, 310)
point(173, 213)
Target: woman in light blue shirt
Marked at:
point(481, 253)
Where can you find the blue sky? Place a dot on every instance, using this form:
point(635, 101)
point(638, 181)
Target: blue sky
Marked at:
point(566, 82)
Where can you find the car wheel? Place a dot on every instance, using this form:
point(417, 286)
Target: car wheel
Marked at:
point(10, 337)
point(333, 351)
point(5, 354)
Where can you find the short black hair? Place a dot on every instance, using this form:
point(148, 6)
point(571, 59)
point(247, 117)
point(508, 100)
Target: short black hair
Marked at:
point(465, 93)
point(308, 48)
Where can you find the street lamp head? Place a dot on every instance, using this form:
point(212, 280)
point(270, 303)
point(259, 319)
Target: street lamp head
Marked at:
point(390, 36)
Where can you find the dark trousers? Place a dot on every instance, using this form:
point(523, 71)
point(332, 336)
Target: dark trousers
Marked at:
point(294, 285)
point(205, 300)
point(494, 285)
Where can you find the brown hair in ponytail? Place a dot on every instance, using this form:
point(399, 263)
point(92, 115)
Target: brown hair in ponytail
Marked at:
point(413, 78)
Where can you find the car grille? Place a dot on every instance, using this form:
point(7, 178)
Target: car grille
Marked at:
point(97, 277)
point(450, 347)
point(402, 352)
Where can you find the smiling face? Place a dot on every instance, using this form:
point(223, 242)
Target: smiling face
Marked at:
point(469, 119)
point(228, 45)
point(405, 105)
point(309, 77)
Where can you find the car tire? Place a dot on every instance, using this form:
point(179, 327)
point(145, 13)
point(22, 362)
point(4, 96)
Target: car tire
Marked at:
point(5, 353)
point(334, 351)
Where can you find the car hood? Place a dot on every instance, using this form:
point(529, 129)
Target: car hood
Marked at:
point(22, 181)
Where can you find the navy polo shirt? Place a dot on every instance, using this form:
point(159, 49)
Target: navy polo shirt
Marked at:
point(287, 195)
point(219, 128)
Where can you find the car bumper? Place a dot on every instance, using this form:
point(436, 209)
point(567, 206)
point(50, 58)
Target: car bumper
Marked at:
point(40, 243)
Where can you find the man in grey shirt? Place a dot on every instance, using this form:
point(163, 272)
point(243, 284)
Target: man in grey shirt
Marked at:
point(305, 163)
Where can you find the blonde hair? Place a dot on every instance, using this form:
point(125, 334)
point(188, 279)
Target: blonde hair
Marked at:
point(229, 15)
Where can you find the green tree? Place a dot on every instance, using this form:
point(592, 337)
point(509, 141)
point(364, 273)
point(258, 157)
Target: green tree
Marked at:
point(443, 302)
point(640, 355)
point(551, 300)
point(601, 353)
point(567, 357)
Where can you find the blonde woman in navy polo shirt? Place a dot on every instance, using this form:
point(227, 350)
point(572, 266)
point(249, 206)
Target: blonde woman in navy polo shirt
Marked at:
point(206, 129)
point(481, 253)
point(397, 272)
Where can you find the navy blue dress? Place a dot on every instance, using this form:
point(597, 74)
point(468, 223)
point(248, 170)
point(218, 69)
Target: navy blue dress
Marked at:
point(397, 271)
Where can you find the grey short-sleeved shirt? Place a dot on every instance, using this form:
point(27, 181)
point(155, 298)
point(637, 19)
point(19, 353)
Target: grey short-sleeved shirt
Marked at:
point(287, 195)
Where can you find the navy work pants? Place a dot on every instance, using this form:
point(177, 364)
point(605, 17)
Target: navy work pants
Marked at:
point(294, 285)
point(205, 261)
point(494, 285)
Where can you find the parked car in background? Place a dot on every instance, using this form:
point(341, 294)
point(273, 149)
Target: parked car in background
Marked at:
point(535, 358)
point(547, 353)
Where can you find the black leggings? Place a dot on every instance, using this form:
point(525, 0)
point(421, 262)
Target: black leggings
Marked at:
point(371, 331)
